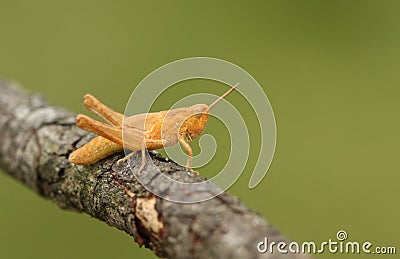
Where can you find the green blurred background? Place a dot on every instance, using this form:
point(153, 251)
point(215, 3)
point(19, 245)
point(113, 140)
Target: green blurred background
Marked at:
point(329, 68)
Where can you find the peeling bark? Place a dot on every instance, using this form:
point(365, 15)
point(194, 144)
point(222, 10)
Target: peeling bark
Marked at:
point(35, 142)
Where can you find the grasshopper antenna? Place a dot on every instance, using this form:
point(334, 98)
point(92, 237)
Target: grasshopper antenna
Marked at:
point(222, 96)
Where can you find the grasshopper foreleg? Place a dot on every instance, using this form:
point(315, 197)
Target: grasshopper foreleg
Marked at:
point(189, 152)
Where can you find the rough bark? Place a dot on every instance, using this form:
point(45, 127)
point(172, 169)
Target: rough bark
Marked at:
point(35, 141)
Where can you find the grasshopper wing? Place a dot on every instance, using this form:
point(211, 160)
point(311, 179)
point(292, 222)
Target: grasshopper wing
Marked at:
point(144, 121)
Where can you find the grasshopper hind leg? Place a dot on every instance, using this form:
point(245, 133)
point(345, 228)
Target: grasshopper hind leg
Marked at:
point(103, 111)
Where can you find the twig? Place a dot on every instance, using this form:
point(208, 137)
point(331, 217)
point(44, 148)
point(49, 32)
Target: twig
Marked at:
point(35, 141)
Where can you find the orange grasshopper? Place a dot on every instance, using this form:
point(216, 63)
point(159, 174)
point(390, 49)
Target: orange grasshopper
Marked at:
point(142, 131)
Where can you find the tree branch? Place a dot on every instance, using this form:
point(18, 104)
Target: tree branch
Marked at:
point(35, 141)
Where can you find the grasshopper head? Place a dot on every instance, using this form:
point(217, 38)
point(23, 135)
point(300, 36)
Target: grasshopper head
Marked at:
point(199, 109)
point(198, 117)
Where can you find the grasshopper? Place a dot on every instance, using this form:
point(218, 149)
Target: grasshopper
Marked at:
point(142, 131)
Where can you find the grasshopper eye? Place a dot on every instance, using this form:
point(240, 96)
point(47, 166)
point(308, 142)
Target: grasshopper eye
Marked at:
point(199, 109)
